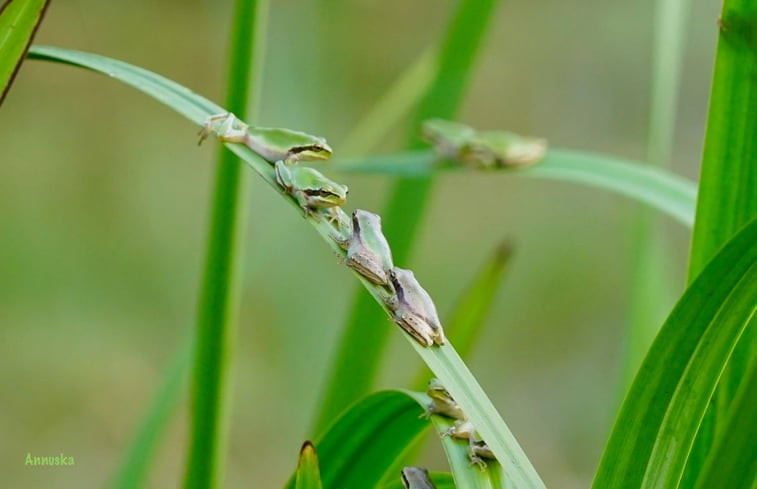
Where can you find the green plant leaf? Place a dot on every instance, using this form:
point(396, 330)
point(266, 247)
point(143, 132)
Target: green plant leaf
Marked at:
point(657, 188)
point(364, 441)
point(732, 462)
point(727, 190)
point(19, 20)
point(655, 429)
point(363, 341)
point(443, 361)
point(308, 473)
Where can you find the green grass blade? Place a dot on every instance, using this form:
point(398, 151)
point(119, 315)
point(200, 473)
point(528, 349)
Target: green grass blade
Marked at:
point(668, 193)
point(655, 429)
point(391, 107)
point(727, 190)
point(443, 361)
point(363, 341)
point(733, 462)
point(216, 324)
point(136, 463)
point(19, 20)
point(308, 472)
point(364, 441)
point(469, 313)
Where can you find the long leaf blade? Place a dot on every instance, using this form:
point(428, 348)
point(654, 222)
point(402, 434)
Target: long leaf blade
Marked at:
point(654, 431)
point(19, 20)
point(657, 188)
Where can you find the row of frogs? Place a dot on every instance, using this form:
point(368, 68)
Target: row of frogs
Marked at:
point(443, 404)
point(360, 235)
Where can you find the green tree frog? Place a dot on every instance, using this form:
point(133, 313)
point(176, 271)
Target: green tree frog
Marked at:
point(483, 149)
point(271, 143)
point(441, 402)
point(477, 448)
point(368, 253)
point(310, 188)
point(413, 309)
point(416, 478)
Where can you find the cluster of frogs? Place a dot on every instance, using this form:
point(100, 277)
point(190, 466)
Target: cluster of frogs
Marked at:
point(359, 234)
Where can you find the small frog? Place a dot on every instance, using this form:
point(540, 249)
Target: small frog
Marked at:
point(449, 139)
point(271, 143)
point(477, 448)
point(416, 478)
point(482, 149)
point(367, 251)
point(441, 402)
point(413, 309)
point(310, 188)
point(504, 149)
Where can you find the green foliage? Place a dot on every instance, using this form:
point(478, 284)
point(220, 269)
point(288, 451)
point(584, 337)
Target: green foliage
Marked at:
point(19, 20)
point(655, 429)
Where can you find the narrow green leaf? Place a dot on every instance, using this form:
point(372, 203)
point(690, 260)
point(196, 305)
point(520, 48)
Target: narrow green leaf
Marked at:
point(657, 188)
point(443, 361)
point(363, 443)
point(655, 429)
point(469, 313)
point(136, 463)
point(220, 289)
point(732, 462)
point(363, 341)
point(19, 20)
point(308, 472)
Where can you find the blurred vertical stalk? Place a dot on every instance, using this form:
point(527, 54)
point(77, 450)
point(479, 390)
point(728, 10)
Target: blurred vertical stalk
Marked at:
point(650, 284)
point(216, 323)
point(727, 197)
point(366, 333)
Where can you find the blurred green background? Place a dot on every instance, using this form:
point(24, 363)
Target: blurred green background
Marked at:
point(103, 211)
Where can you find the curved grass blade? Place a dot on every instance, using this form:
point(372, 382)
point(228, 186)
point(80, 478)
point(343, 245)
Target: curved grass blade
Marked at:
point(308, 472)
point(363, 443)
point(19, 20)
point(732, 462)
point(657, 188)
point(442, 480)
point(469, 313)
point(443, 361)
point(363, 340)
point(655, 429)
